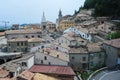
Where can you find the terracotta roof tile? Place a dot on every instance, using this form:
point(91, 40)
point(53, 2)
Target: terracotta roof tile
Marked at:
point(60, 70)
point(43, 77)
point(115, 43)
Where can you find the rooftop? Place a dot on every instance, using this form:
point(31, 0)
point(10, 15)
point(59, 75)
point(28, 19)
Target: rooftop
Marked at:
point(23, 31)
point(36, 40)
point(59, 70)
point(18, 40)
point(39, 76)
point(5, 79)
point(78, 50)
point(114, 43)
point(3, 73)
point(92, 47)
point(12, 67)
point(55, 53)
point(87, 23)
point(61, 45)
point(86, 30)
point(26, 75)
point(68, 37)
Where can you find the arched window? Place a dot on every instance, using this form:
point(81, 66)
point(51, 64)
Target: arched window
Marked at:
point(45, 58)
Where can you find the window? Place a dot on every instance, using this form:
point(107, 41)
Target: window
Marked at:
point(41, 61)
point(102, 22)
point(100, 55)
point(38, 36)
point(42, 46)
point(83, 35)
point(45, 58)
point(82, 41)
point(9, 44)
point(56, 48)
point(57, 56)
point(21, 43)
point(26, 36)
point(84, 58)
point(73, 57)
point(33, 45)
point(25, 44)
point(48, 52)
point(24, 64)
point(91, 63)
point(109, 28)
point(17, 44)
point(32, 36)
point(49, 63)
point(91, 56)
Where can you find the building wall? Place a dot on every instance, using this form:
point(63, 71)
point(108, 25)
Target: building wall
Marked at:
point(80, 33)
point(77, 62)
point(96, 60)
point(60, 48)
point(14, 47)
point(30, 62)
point(111, 55)
point(40, 59)
point(62, 40)
point(66, 24)
point(36, 48)
point(33, 44)
point(26, 64)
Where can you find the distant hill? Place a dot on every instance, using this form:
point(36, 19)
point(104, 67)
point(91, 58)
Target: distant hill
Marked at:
point(109, 8)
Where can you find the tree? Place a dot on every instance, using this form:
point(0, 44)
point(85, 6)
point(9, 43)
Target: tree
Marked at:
point(109, 8)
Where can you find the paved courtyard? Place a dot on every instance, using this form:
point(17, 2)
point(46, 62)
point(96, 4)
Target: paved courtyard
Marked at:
point(107, 75)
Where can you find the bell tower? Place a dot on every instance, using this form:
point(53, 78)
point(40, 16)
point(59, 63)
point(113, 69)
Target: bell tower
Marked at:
point(43, 22)
point(60, 15)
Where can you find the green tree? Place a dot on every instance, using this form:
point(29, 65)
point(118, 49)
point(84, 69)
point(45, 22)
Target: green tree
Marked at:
point(109, 8)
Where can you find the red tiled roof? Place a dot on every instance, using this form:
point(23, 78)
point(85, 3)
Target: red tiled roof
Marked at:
point(60, 70)
point(115, 43)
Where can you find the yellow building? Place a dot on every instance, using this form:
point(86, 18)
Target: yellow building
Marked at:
point(65, 24)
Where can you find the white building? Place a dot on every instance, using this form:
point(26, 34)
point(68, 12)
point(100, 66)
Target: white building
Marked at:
point(83, 32)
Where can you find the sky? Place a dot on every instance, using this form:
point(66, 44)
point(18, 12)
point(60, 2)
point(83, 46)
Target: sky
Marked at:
point(31, 11)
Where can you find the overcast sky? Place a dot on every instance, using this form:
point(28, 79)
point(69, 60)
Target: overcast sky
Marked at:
point(30, 11)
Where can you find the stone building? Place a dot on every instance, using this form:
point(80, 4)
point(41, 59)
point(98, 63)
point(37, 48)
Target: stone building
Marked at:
point(86, 57)
point(28, 33)
point(112, 49)
point(17, 45)
point(23, 44)
point(15, 67)
point(48, 56)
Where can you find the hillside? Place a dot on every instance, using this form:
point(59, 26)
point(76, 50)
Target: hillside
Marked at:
point(109, 8)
